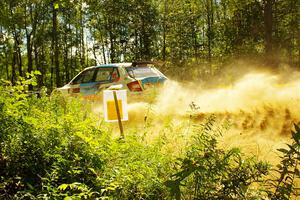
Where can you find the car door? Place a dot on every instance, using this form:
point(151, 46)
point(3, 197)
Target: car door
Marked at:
point(88, 82)
point(83, 83)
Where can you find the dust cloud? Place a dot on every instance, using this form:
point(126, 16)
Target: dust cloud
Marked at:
point(260, 108)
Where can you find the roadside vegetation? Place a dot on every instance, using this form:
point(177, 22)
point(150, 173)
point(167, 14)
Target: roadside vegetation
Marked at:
point(56, 148)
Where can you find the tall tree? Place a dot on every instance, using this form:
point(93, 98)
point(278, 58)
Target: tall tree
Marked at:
point(55, 60)
point(268, 23)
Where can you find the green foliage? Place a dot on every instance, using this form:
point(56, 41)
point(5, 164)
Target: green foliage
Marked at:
point(136, 170)
point(183, 33)
point(208, 172)
point(38, 144)
point(288, 170)
point(54, 149)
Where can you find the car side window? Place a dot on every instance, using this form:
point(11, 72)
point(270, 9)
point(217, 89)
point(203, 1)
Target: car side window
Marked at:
point(106, 74)
point(85, 77)
point(88, 76)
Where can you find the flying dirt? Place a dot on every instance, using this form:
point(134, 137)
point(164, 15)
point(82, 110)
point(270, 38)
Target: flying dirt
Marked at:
point(260, 109)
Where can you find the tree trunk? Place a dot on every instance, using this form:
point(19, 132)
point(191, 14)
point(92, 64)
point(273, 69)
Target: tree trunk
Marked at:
point(18, 51)
point(209, 18)
point(29, 57)
point(71, 61)
point(94, 53)
point(82, 49)
point(38, 63)
point(42, 66)
point(17, 45)
point(164, 29)
point(112, 47)
point(66, 62)
point(55, 45)
point(13, 68)
point(29, 53)
point(7, 67)
point(29, 45)
point(6, 63)
point(136, 42)
point(294, 30)
point(195, 41)
point(268, 22)
point(20, 63)
point(103, 49)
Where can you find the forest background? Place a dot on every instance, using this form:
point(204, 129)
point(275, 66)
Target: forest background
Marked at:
point(61, 37)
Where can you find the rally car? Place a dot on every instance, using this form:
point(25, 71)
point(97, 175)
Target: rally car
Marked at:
point(135, 77)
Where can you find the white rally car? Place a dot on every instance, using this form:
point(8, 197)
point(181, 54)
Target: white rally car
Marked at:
point(134, 77)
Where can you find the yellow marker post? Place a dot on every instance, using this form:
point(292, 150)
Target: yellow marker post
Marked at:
point(115, 107)
point(118, 112)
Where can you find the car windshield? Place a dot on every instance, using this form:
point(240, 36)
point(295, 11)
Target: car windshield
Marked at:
point(140, 72)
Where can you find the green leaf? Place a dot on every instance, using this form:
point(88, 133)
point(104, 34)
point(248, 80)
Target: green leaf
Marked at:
point(283, 151)
point(63, 187)
point(56, 6)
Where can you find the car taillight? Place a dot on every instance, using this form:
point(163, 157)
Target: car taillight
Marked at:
point(135, 86)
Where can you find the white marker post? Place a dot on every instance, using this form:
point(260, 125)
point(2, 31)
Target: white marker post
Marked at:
point(115, 107)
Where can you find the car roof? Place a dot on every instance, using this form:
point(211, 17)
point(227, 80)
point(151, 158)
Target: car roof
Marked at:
point(110, 65)
point(125, 64)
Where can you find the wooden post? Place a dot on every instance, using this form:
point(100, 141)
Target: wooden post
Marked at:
point(118, 114)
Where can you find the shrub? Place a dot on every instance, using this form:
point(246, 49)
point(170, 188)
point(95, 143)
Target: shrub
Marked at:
point(208, 172)
point(44, 143)
point(287, 172)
